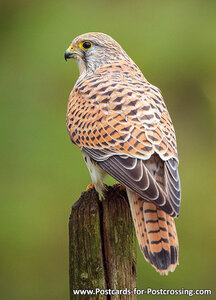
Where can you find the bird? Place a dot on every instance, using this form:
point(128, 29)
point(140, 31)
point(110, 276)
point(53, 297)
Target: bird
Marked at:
point(121, 124)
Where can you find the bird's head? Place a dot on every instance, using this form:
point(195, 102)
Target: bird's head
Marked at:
point(93, 50)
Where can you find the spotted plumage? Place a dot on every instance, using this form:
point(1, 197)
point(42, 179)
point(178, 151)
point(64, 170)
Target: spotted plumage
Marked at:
point(120, 122)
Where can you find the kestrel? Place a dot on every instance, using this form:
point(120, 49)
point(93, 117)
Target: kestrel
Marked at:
point(120, 122)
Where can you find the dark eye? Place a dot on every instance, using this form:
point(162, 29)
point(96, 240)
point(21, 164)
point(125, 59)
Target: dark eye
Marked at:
point(87, 45)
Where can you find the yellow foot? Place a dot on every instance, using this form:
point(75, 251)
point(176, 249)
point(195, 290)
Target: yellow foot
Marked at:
point(90, 186)
point(119, 185)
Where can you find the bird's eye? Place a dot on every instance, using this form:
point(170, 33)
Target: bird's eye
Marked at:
point(85, 45)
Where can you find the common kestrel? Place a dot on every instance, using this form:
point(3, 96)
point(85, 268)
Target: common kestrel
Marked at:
point(120, 122)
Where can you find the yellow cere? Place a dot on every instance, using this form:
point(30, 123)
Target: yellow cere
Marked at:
point(71, 48)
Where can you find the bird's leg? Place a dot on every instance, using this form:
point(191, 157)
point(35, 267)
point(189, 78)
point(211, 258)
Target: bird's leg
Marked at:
point(90, 186)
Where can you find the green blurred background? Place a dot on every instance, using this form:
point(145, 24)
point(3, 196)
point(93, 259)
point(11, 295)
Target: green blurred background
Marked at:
point(42, 173)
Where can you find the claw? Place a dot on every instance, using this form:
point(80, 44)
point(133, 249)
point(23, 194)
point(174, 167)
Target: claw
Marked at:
point(119, 186)
point(90, 186)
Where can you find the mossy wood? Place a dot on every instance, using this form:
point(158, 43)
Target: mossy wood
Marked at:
point(102, 248)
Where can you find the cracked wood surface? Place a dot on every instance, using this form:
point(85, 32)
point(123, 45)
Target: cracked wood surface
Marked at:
point(102, 244)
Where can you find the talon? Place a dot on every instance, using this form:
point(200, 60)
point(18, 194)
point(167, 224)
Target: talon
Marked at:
point(119, 186)
point(90, 186)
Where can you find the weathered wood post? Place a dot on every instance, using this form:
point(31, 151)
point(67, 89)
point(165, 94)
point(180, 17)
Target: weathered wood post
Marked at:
point(102, 248)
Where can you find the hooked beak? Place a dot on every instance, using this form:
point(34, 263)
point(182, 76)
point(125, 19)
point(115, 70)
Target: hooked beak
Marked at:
point(69, 53)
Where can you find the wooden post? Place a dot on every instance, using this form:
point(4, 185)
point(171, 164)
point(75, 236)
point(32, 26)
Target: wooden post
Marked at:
point(102, 248)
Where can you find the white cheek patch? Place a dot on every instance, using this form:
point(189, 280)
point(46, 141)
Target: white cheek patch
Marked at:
point(81, 65)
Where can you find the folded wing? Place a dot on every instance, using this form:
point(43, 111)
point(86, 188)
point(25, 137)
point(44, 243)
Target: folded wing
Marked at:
point(154, 180)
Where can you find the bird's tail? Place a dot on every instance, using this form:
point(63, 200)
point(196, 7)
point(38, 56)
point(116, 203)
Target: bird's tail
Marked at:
point(156, 234)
